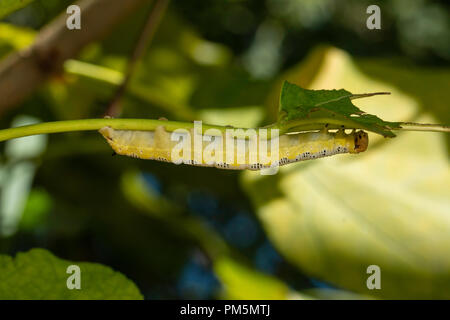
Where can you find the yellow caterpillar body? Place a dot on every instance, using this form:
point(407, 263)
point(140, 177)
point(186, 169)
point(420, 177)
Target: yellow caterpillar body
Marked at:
point(158, 145)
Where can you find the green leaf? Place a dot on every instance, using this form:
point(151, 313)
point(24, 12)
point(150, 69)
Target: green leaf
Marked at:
point(38, 274)
point(9, 6)
point(327, 106)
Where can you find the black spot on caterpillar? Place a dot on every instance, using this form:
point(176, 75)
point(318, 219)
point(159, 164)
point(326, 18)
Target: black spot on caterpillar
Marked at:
point(214, 150)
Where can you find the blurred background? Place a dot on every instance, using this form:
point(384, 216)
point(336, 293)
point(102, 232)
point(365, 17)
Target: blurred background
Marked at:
point(183, 232)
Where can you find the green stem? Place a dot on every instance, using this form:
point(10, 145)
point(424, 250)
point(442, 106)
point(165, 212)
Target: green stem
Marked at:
point(150, 125)
point(411, 126)
point(95, 124)
point(317, 123)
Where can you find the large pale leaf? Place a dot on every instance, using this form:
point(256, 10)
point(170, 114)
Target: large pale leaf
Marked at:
point(389, 207)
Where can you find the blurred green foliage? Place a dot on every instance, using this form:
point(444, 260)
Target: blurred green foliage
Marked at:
point(9, 6)
point(187, 232)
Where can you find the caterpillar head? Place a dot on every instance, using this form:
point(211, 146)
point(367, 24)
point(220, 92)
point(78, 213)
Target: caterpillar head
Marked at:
point(361, 140)
point(107, 133)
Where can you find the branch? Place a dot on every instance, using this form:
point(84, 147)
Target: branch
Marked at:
point(22, 72)
point(153, 20)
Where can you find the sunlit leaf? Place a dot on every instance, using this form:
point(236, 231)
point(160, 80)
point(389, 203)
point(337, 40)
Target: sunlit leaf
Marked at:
point(241, 282)
point(389, 207)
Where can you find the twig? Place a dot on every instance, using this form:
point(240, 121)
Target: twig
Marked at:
point(365, 95)
point(22, 72)
point(145, 38)
point(411, 126)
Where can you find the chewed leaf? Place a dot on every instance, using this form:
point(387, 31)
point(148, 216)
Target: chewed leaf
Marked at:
point(297, 103)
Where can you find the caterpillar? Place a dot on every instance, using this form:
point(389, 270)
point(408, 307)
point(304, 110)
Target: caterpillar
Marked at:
point(239, 153)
